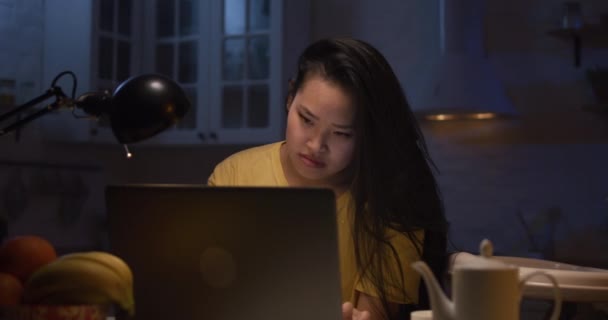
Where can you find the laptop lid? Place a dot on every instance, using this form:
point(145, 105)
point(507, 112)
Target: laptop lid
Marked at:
point(227, 253)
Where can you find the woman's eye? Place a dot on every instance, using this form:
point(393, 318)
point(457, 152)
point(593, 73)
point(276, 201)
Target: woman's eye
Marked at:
point(305, 119)
point(343, 134)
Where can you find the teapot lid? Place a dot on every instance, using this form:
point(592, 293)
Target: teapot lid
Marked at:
point(483, 261)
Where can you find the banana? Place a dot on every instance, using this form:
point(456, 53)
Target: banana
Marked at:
point(111, 261)
point(82, 278)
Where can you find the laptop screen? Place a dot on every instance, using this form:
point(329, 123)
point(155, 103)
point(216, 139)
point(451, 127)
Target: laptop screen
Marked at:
point(200, 252)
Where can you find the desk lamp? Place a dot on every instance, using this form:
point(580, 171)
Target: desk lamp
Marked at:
point(139, 108)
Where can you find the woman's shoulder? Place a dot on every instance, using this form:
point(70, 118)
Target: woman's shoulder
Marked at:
point(252, 154)
point(246, 166)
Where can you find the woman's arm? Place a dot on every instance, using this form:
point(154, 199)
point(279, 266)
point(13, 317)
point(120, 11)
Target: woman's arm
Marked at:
point(373, 305)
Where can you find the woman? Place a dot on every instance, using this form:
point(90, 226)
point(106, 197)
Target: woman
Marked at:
point(350, 129)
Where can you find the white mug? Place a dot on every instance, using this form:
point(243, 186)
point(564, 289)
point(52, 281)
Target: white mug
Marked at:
point(421, 315)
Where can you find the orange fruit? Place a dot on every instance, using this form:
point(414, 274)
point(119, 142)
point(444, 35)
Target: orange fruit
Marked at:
point(11, 290)
point(23, 255)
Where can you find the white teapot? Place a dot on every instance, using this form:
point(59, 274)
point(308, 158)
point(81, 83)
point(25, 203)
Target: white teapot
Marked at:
point(482, 289)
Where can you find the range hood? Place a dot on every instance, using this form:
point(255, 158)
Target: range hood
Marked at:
point(463, 83)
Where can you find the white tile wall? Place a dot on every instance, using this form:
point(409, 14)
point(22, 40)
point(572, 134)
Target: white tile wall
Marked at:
point(560, 186)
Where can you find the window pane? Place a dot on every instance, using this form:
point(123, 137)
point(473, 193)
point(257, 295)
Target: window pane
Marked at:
point(106, 15)
point(234, 16)
point(233, 59)
point(123, 68)
point(257, 113)
point(124, 16)
point(187, 62)
point(259, 14)
point(106, 59)
point(189, 120)
point(164, 59)
point(165, 17)
point(259, 57)
point(188, 17)
point(232, 107)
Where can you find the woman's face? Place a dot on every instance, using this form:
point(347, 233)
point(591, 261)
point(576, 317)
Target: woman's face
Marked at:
point(320, 136)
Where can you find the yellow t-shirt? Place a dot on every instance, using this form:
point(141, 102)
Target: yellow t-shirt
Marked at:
point(261, 166)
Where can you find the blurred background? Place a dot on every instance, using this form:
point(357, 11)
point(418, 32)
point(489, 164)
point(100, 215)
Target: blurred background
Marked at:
point(535, 183)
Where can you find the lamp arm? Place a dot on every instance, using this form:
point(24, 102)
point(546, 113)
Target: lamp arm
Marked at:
point(61, 100)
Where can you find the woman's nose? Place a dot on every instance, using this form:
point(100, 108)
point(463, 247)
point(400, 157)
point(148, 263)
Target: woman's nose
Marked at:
point(318, 141)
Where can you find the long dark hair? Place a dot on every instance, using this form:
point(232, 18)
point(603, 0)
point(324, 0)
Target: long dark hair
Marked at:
point(393, 185)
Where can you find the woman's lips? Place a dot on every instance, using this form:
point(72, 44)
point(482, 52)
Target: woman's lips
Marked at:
point(311, 162)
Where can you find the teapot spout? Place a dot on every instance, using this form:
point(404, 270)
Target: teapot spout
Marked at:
point(443, 308)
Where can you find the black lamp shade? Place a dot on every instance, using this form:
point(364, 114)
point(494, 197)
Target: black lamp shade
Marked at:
point(145, 105)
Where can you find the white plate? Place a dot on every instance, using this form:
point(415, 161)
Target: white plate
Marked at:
point(576, 283)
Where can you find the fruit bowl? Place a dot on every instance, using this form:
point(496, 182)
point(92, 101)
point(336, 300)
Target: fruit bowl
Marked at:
point(54, 312)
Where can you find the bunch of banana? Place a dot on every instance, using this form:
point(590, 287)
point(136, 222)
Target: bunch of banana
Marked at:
point(93, 277)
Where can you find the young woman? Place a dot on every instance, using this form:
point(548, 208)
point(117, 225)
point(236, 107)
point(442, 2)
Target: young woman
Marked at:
point(350, 129)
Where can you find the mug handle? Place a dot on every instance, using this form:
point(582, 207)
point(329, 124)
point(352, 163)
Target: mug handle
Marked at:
point(557, 295)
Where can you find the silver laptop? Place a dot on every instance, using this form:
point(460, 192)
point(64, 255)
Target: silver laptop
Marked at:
point(227, 253)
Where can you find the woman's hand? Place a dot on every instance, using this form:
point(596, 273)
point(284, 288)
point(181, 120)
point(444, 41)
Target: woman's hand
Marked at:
point(349, 312)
